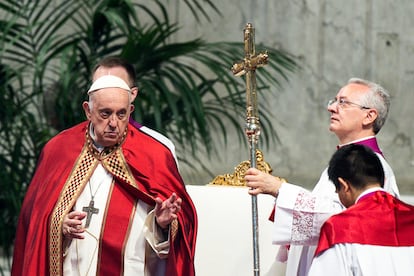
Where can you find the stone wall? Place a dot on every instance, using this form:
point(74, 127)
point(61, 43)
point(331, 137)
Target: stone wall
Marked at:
point(333, 40)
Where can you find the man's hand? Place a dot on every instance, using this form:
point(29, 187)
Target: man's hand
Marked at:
point(166, 211)
point(262, 183)
point(72, 225)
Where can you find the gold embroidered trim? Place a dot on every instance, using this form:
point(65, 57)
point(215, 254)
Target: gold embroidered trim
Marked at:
point(107, 151)
point(116, 164)
point(174, 228)
point(82, 171)
point(113, 160)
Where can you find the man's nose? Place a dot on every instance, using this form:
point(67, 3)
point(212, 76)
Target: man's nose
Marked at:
point(113, 120)
point(333, 107)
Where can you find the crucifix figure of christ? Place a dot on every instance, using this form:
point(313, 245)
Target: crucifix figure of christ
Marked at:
point(90, 210)
point(248, 67)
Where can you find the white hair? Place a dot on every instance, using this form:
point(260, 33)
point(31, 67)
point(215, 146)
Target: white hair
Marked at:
point(377, 98)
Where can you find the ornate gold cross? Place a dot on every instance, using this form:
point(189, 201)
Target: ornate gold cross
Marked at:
point(248, 67)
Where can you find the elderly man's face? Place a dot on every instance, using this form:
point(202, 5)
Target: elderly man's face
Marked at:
point(348, 120)
point(108, 114)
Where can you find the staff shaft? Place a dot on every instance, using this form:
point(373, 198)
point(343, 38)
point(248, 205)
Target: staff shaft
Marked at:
point(252, 129)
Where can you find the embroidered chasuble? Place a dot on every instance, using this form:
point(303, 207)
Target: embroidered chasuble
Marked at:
point(124, 181)
point(299, 215)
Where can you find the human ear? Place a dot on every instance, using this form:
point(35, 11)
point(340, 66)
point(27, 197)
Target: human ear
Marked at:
point(134, 93)
point(372, 114)
point(344, 185)
point(86, 109)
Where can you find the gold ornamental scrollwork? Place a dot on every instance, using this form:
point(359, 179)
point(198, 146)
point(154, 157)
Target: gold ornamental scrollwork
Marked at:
point(237, 178)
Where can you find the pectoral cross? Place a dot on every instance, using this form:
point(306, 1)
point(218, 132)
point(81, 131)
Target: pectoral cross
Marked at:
point(90, 210)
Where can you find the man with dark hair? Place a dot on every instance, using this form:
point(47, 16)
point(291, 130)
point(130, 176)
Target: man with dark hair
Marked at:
point(374, 236)
point(119, 67)
point(353, 169)
point(357, 114)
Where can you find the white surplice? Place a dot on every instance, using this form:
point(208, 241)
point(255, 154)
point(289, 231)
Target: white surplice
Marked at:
point(364, 260)
point(81, 254)
point(300, 214)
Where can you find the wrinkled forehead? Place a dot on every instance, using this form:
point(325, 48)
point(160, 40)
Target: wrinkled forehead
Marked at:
point(109, 100)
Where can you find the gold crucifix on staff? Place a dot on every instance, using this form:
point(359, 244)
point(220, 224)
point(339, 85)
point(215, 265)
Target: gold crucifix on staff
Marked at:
point(248, 67)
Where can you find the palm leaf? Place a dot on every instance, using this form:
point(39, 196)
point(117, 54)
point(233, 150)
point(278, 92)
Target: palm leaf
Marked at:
point(186, 89)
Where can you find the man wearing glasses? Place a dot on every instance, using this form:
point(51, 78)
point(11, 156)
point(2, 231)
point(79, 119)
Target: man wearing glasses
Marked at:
point(357, 114)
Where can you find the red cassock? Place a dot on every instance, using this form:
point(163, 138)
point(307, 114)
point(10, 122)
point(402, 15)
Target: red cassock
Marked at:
point(143, 169)
point(377, 218)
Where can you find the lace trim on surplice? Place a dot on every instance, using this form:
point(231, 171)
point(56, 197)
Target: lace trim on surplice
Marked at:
point(302, 223)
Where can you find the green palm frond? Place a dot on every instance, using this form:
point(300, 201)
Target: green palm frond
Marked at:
point(187, 89)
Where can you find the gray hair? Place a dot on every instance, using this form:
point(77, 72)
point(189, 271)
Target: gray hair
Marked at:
point(377, 98)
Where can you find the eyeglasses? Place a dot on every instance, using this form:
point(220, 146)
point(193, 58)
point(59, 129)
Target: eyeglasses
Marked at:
point(344, 103)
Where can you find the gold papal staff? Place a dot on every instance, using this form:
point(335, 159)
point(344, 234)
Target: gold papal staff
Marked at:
point(248, 67)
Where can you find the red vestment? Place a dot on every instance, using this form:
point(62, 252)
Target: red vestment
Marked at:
point(377, 218)
point(154, 174)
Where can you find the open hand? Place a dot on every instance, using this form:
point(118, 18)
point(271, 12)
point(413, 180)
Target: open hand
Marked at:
point(166, 211)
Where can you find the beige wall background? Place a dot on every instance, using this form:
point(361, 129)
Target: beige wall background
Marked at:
point(334, 40)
